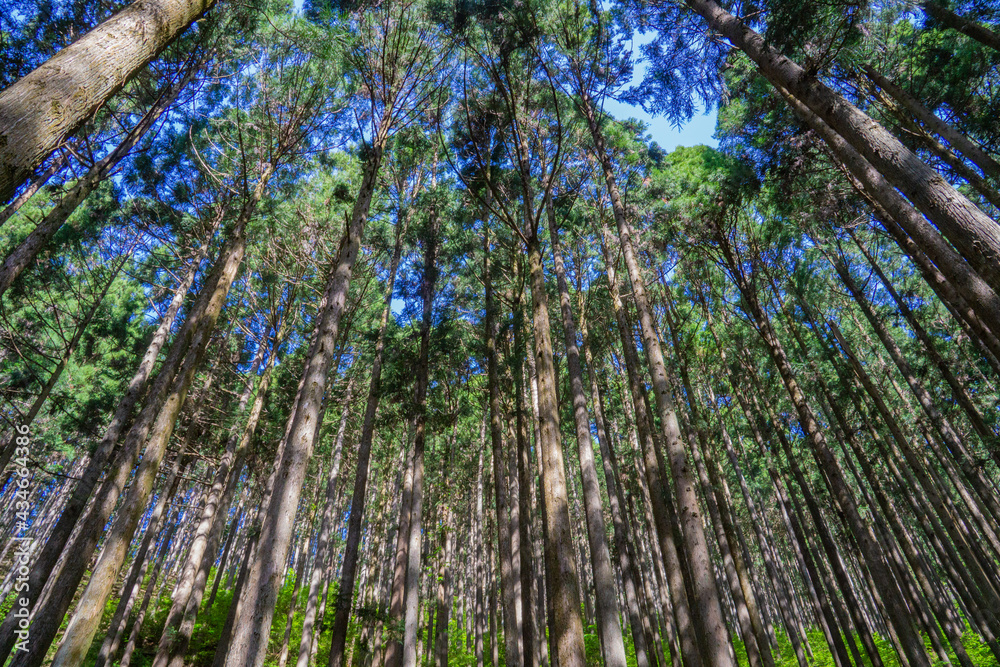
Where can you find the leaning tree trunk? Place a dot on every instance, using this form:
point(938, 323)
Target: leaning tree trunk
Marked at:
point(134, 580)
point(25, 253)
point(159, 426)
point(894, 606)
point(155, 422)
point(186, 601)
point(950, 19)
point(985, 507)
point(898, 215)
point(47, 105)
point(973, 233)
point(45, 563)
point(960, 393)
point(958, 141)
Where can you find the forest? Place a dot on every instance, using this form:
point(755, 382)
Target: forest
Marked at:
point(359, 333)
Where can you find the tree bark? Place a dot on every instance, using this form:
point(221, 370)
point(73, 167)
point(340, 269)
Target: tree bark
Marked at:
point(949, 19)
point(348, 571)
point(972, 287)
point(25, 253)
point(249, 643)
point(609, 628)
point(422, 372)
point(155, 421)
point(561, 568)
point(47, 105)
point(656, 491)
point(973, 233)
point(958, 141)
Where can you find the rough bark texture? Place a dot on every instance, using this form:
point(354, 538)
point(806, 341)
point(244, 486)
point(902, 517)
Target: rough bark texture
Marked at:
point(348, 571)
point(560, 558)
point(958, 141)
point(963, 25)
point(974, 234)
point(80, 632)
point(609, 628)
point(972, 287)
point(249, 643)
point(47, 105)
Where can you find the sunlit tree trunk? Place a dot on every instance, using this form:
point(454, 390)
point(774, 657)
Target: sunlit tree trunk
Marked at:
point(351, 548)
point(154, 425)
point(609, 629)
point(47, 105)
point(421, 372)
point(973, 233)
point(561, 568)
point(25, 253)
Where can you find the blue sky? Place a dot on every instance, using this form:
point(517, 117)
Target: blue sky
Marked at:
point(698, 130)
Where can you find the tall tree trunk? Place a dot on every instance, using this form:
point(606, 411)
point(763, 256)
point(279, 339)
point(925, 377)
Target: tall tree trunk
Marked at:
point(961, 394)
point(444, 600)
point(134, 580)
point(422, 371)
point(622, 529)
point(511, 629)
point(47, 105)
point(985, 507)
point(205, 543)
point(663, 517)
point(521, 555)
point(45, 562)
point(249, 643)
point(719, 651)
point(480, 570)
point(561, 568)
point(609, 628)
point(972, 232)
point(949, 19)
point(348, 571)
point(958, 141)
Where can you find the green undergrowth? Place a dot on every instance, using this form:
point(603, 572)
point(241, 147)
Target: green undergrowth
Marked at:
point(362, 644)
